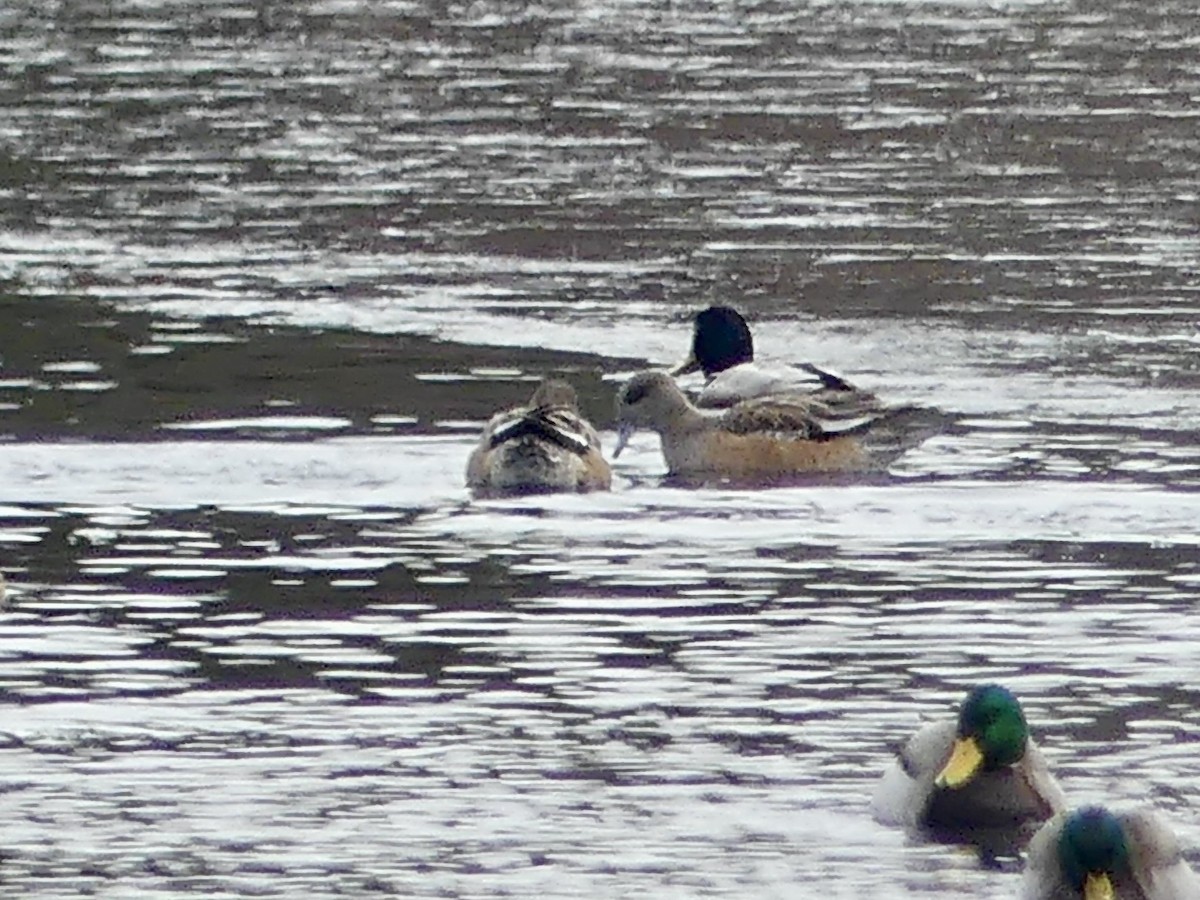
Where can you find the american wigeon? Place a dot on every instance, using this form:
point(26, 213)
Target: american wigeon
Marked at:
point(982, 771)
point(723, 349)
point(765, 440)
point(539, 448)
point(1093, 854)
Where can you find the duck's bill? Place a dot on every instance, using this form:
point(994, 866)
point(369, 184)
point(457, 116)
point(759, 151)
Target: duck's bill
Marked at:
point(1098, 887)
point(687, 367)
point(965, 760)
point(624, 433)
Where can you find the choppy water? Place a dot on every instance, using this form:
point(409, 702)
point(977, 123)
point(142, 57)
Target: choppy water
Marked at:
point(264, 269)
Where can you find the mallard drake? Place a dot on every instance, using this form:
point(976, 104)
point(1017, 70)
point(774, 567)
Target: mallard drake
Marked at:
point(765, 440)
point(980, 772)
point(542, 447)
point(723, 349)
point(1093, 854)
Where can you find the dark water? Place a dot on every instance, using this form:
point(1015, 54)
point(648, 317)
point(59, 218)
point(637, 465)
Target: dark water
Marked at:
point(264, 269)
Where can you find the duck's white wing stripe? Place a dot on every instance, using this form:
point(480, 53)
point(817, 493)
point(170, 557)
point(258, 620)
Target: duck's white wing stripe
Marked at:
point(571, 431)
point(558, 425)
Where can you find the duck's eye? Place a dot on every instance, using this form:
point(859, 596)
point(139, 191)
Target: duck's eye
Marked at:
point(634, 393)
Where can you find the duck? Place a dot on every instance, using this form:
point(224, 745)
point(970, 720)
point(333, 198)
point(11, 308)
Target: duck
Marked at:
point(542, 447)
point(980, 772)
point(1091, 853)
point(765, 440)
point(723, 349)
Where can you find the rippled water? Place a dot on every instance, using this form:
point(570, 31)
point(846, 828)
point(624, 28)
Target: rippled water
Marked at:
point(265, 268)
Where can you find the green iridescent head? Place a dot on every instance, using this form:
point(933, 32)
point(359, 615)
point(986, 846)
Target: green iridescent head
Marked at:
point(992, 734)
point(994, 718)
point(1091, 848)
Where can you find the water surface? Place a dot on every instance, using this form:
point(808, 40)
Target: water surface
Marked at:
point(267, 267)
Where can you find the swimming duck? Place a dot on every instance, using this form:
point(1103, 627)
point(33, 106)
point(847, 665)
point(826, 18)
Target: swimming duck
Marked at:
point(1093, 854)
point(980, 772)
point(767, 439)
point(723, 349)
point(542, 447)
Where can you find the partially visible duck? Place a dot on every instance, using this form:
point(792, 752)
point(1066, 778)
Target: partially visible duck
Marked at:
point(765, 440)
point(982, 771)
point(1093, 854)
point(723, 349)
point(542, 447)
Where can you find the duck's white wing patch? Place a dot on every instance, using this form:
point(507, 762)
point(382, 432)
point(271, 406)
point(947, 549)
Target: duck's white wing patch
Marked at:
point(750, 380)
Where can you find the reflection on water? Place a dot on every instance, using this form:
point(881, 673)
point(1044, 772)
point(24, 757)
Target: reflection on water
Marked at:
point(493, 690)
point(267, 267)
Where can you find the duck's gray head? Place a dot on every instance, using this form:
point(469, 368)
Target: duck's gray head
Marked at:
point(646, 400)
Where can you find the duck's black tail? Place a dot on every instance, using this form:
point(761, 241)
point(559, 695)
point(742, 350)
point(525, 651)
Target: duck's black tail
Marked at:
point(829, 380)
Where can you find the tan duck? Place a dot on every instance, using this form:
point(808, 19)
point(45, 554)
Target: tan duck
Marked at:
point(542, 447)
point(765, 440)
point(1093, 854)
point(982, 771)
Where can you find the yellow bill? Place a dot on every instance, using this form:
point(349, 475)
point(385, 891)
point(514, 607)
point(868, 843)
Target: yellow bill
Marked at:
point(965, 760)
point(1098, 887)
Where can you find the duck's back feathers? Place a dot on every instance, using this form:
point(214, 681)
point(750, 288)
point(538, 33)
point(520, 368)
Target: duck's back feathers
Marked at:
point(542, 447)
point(749, 381)
point(547, 423)
point(786, 417)
point(809, 417)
